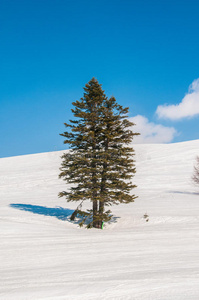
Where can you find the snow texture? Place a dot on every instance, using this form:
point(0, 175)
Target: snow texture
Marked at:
point(45, 256)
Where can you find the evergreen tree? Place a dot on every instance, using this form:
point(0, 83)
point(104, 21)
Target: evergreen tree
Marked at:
point(100, 163)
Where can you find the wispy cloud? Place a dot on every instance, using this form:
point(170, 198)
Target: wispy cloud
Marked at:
point(188, 107)
point(151, 132)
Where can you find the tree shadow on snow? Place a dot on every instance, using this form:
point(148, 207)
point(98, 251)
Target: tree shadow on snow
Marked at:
point(58, 212)
point(186, 193)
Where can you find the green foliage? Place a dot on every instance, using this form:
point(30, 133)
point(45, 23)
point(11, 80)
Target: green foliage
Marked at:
point(87, 217)
point(99, 164)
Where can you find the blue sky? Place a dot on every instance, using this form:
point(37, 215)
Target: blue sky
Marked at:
point(145, 53)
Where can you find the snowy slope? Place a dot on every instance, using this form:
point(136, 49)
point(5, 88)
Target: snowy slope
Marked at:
point(45, 256)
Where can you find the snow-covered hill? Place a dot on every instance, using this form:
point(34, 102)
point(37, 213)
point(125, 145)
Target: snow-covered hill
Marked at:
point(45, 256)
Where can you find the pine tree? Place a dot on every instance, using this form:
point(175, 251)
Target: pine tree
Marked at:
point(100, 163)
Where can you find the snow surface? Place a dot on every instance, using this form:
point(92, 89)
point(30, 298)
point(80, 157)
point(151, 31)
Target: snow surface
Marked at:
point(45, 256)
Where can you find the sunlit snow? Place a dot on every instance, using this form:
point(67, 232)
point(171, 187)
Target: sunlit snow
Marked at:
point(45, 256)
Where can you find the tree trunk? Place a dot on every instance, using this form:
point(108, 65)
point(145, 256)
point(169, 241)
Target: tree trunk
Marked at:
point(103, 183)
point(95, 214)
point(101, 211)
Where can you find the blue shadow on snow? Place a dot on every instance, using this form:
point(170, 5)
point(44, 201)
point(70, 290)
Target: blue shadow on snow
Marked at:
point(58, 212)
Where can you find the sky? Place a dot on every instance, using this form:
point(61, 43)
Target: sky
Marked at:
point(144, 53)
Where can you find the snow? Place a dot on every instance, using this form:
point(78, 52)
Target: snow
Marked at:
point(45, 256)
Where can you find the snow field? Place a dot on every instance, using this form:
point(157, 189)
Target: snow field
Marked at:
point(45, 256)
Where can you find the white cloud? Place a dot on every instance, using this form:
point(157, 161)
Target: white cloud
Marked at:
point(151, 133)
point(188, 107)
